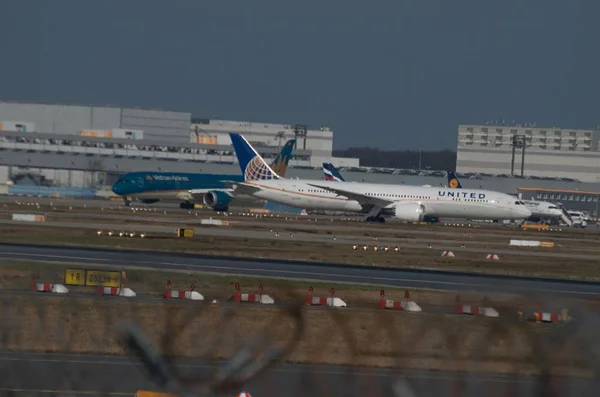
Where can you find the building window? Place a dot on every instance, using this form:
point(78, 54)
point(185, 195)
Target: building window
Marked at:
point(469, 129)
point(557, 133)
point(528, 132)
point(484, 130)
point(499, 130)
point(572, 133)
point(543, 132)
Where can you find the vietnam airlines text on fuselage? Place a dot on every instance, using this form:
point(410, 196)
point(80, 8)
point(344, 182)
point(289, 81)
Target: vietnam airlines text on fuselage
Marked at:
point(442, 202)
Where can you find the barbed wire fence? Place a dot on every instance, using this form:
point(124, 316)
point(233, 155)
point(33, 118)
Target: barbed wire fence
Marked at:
point(482, 356)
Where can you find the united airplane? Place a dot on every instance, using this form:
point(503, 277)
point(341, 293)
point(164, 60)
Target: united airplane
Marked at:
point(151, 187)
point(401, 202)
point(540, 210)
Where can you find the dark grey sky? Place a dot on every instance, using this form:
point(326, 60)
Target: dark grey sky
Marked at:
point(391, 74)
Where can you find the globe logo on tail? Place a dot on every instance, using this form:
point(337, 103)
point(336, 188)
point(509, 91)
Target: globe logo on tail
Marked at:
point(257, 170)
point(453, 183)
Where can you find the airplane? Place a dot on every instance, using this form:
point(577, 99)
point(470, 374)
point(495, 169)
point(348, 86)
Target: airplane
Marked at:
point(151, 187)
point(332, 174)
point(400, 202)
point(540, 210)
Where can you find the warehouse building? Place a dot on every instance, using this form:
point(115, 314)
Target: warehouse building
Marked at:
point(86, 145)
point(535, 151)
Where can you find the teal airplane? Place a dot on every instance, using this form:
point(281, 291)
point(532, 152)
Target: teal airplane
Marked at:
point(189, 188)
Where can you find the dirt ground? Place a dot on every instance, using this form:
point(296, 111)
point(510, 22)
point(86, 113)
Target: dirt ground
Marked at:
point(344, 337)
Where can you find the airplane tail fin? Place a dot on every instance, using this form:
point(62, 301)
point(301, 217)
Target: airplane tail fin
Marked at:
point(331, 173)
point(453, 181)
point(280, 164)
point(253, 166)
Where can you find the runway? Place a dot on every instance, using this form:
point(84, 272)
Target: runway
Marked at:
point(432, 243)
point(326, 272)
point(79, 375)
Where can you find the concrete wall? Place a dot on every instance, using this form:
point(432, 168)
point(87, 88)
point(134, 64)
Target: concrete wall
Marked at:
point(552, 152)
point(70, 119)
point(584, 166)
point(320, 142)
point(61, 119)
point(3, 174)
point(158, 124)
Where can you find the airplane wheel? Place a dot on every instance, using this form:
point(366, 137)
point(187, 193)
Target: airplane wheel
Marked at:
point(381, 219)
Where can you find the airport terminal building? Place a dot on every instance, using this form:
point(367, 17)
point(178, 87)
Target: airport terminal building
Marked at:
point(549, 152)
point(86, 145)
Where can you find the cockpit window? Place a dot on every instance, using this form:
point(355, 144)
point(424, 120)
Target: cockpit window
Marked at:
point(552, 208)
point(518, 203)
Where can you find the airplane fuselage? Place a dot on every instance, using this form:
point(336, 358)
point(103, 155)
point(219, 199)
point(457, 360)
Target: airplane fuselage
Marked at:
point(169, 185)
point(441, 202)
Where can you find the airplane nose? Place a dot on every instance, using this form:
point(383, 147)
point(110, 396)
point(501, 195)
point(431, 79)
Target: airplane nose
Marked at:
point(116, 189)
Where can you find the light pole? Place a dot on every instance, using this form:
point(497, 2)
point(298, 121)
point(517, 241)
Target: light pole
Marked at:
point(518, 141)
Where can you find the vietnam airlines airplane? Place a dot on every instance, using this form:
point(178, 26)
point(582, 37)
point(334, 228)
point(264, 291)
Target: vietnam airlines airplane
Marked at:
point(401, 202)
point(209, 189)
point(540, 210)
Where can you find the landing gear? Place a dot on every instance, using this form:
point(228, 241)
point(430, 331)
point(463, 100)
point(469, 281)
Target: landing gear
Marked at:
point(379, 219)
point(127, 202)
point(186, 205)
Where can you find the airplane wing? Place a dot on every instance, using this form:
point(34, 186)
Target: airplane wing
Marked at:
point(240, 188)
point(363, 199)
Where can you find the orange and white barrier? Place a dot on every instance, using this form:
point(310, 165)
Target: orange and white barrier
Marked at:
point(493, 257)
point(406, 304)
point(545, 317)
point(51, 288)
point(459, 308)
point(176, 294)
point(115, 291)
point(331, 301)
point(448, 254)
point(252, 297)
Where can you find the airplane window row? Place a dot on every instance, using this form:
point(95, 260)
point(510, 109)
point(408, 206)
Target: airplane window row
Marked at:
point(397, 195)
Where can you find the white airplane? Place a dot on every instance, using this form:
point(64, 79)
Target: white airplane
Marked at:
point(540, 210)
point(406, 203)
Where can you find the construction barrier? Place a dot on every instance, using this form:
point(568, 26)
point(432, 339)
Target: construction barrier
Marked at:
point(459, 308)
point(115, 291)
point(214, 222)
point(331, 301)
point(406, 304)
point(525, 243)
point(493, 257)
point(545, 317)
point(252, 297)
point(547, 244)
point(176, 294)
point(28, 218)
point(50, 288)
point(448, 254)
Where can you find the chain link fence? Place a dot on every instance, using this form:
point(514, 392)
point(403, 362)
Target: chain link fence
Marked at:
point(60, 345)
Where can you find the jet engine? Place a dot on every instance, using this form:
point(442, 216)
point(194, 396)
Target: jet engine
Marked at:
point(409, 212)
point(218, 201)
